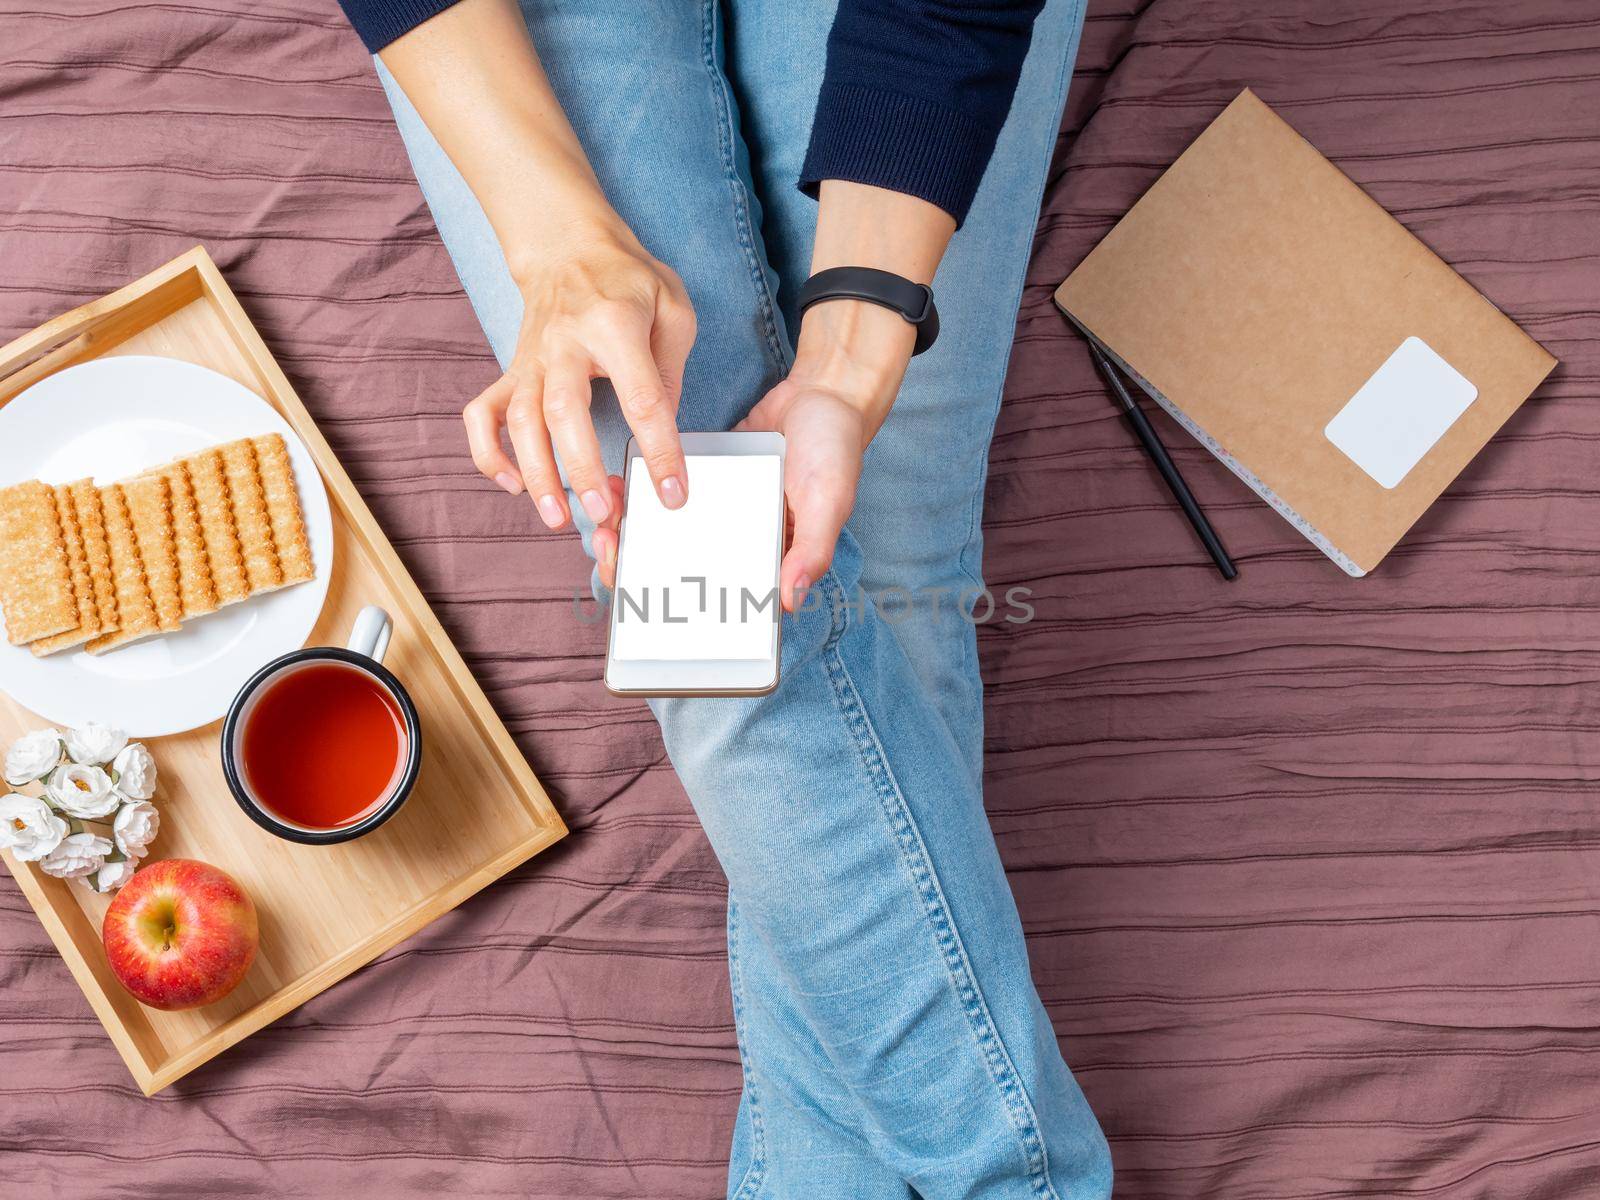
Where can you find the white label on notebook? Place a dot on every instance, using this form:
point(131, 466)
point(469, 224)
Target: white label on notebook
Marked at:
point(1401, 412)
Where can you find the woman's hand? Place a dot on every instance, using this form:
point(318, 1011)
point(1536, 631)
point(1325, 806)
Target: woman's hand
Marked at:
point(847, 370)
point(595, 303)
point(600, 307)
point(849, 360)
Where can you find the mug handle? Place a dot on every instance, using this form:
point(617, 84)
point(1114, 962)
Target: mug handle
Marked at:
point(370, 634)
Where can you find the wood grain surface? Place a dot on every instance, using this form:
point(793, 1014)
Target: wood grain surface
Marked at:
point(476, 811)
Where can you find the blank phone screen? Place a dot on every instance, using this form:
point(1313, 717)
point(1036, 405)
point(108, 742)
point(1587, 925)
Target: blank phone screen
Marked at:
point(700, 583)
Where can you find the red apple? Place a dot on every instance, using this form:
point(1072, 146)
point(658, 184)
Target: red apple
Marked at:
point(180, 934)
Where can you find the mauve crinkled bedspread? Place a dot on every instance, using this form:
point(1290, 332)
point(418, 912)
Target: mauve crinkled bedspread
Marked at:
point(1310, 866)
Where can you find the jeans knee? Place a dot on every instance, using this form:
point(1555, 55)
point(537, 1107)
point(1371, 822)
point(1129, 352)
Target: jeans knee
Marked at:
point(1098, 1168)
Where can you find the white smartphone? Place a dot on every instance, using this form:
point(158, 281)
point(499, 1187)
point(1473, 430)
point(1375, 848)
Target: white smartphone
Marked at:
point(696, 610)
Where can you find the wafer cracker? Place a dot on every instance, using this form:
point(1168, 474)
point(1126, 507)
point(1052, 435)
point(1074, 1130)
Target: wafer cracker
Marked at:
point(210, 484)
point(135, 611)
point(283, 508)
point(35, 578)
point(250, 515)
point(96, 553)
point(82, 587)
point(195, 588)
point(150, 512)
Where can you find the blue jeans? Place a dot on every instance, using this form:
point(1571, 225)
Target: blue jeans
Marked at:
point(890, 1032)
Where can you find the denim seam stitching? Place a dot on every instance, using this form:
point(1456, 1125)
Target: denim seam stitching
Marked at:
point(1018, 1105)
point(1063, 75)
point(755, 1174)
point(743, 227)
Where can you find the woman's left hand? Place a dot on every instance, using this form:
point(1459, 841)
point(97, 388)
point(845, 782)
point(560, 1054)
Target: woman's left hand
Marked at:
point(847, 371)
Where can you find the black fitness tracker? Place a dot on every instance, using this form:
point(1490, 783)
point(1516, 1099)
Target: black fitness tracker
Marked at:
point(913, 301)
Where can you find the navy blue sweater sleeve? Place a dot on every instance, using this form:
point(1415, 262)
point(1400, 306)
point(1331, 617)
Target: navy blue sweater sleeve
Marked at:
point(379, 22)
point(913, 98)
point(915, 94)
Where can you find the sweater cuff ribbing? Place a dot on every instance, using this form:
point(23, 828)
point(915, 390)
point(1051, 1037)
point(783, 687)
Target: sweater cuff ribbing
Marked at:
point(898, 142)
point(380, 22)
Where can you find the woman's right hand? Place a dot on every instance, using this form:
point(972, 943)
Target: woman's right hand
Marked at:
point(595, 305)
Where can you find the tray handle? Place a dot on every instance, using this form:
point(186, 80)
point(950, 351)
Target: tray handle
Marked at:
point(95, 327)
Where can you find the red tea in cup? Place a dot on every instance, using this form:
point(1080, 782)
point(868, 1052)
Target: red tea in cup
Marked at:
point(324, 744)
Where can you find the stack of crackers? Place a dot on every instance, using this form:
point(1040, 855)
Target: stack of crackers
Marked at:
point(101, 567)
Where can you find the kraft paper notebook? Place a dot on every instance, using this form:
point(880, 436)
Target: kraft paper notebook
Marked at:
point(1323, 353)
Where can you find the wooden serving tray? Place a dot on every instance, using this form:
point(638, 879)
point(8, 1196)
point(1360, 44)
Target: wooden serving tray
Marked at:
point(477, 810)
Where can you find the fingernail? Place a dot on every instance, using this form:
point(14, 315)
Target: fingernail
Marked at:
point(609, 553)
point(672, 494)
point(508, 481)
point(801, 587)
point(595, 505)
point(550, 509)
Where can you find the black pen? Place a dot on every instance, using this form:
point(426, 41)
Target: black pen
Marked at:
point(1164, 464)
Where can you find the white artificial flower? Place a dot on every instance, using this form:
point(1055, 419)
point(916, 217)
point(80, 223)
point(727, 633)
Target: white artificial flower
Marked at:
point(29, 827)
point(83, 791)
point(33, 756)
point(111, 875)
point(78, 854)
point(136, 772)
point(135, 827)
point(94, 744)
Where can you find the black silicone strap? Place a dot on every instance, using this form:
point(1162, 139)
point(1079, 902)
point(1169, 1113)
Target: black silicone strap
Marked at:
point(913, 301)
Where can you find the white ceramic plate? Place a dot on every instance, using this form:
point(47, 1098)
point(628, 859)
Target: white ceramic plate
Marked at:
point(112, 418)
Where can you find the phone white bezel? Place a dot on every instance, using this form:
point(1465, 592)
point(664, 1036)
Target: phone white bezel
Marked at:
point(699, 677)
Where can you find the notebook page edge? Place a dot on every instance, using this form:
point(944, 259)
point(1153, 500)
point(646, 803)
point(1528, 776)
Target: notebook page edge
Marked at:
point(1304, 527)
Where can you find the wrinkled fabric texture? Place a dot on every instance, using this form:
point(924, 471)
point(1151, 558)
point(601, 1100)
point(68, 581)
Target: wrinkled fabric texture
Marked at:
point(1309, 866)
